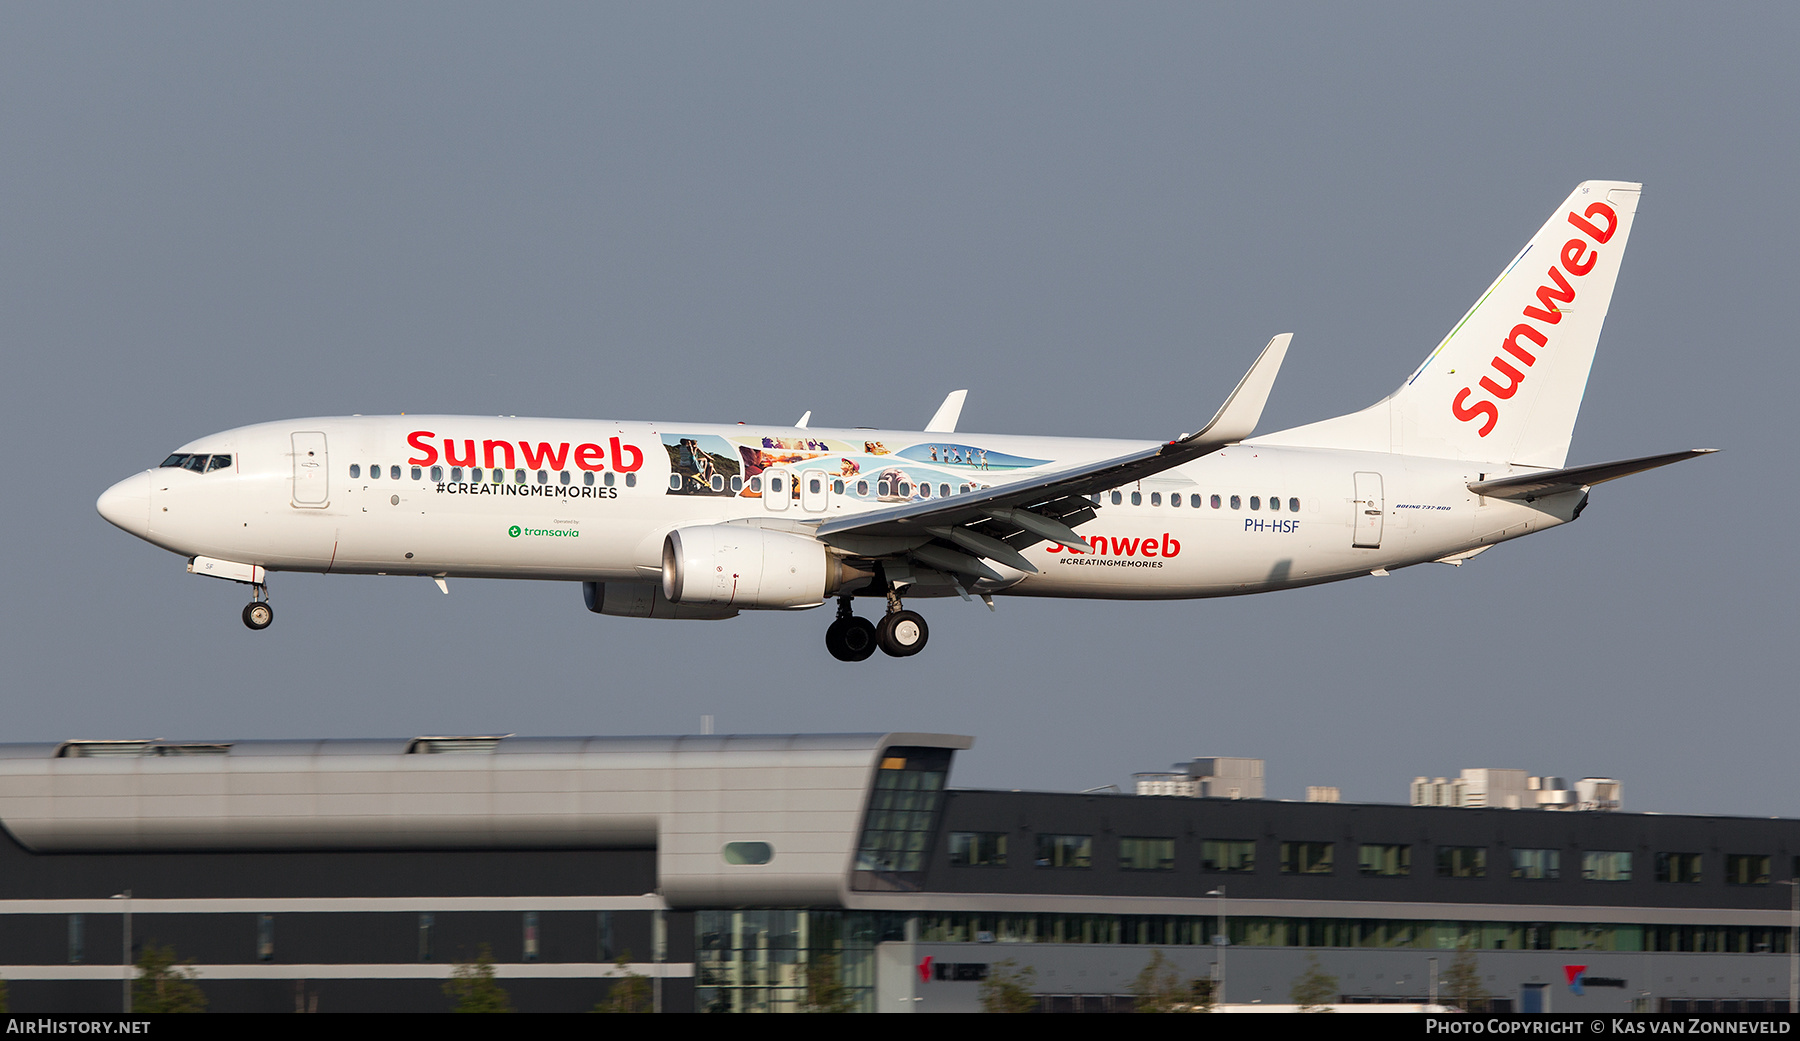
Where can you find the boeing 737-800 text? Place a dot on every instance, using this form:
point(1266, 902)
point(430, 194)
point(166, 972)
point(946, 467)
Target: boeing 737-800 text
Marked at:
point(701, 521)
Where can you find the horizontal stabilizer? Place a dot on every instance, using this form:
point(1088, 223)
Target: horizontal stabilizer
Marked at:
point(1550, 482)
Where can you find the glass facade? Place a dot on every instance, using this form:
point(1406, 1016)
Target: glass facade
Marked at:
point(789, 961)
point(902, 816)
point(1197, 931)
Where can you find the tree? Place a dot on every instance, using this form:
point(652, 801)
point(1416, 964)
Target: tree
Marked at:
point(1463, 981)
point(1159, 989)
point(473, 988)
point(164, 985)
point(825, 990)
point(1314, 990)
point(1008, 988)
point(632, 993)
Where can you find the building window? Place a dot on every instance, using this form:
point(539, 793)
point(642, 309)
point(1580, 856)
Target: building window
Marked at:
point(978, 848)
point(531, 936)
point(427, 922)
point(1065, 851)
point(77, 939)
point(1306, 858)
point(1537, 864)
point(901, 817)
point(747, 853)
point(1746, 869)
point(1678, 867)
point(265, 937)
point(603, 937)
point(1606, 865)
point(1462, 861)
point(1228, 855)
point(1146, 854)
point(1384, 861)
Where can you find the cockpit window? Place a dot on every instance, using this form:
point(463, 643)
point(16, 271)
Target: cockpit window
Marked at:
point(219, 462)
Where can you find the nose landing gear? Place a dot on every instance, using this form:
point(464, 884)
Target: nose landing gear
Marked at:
point(257, 613)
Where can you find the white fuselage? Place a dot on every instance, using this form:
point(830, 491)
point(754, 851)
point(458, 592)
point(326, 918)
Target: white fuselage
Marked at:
point(585, 500)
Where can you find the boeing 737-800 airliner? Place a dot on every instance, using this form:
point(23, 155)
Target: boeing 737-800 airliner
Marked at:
point(700, 521)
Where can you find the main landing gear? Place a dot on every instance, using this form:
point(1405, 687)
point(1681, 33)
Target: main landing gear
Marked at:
point(257, 613)
point(901, 633)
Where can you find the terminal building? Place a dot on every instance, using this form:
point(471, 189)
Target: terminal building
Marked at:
point(777, 873)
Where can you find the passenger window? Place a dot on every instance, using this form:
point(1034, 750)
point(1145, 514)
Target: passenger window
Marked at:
point(1156, 498)
point(837, 487)
point(355, 471)
point(631, 480)
point(906, 489)
point(1175, 500)
point(1194, 500)
point(609, 478)
point(717, 483)
point(756, 484)
point(674, 482)
point(964, 490)
point(394, 472)
point(518, 477)
point(476, 475)
point(375, 472)
point(219, 462)
point(543, 477)
point(737, 483)
point(1117, 498)
point(814, 486)
point(1293, 505)
point(1137, 498)
point(775, 486)
point(862, 487)
point(944, 491)
point(437, 475)
point(1237, 503)
point(884, 488)
point(1215, 502)
point(587, 478)
point(1255, 502)
point(924, 491)
point(565, 477)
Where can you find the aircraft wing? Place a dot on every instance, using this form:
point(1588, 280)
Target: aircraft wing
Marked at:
point(1551, 482)
point(996, 522)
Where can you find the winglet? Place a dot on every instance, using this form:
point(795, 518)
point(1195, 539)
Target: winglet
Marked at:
point(944, 421)
point(803, 420)
point(1237, 418)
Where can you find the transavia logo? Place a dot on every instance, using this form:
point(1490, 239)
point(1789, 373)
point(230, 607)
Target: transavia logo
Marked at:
point(543, 533)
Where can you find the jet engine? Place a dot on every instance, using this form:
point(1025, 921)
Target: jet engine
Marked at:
point(738, 565)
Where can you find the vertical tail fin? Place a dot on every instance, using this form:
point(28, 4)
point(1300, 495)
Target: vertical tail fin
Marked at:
point(1506, 384)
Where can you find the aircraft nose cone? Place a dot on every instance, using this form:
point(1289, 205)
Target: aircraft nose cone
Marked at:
point(127, 504)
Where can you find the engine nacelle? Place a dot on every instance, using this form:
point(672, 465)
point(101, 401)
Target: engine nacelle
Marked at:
point(645, 600)
point(738, 565)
